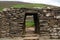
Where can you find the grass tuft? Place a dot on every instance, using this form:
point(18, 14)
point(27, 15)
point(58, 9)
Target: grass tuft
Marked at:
point(29, 23)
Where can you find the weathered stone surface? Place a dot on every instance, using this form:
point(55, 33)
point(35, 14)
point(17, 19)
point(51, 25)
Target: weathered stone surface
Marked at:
point(12, 21)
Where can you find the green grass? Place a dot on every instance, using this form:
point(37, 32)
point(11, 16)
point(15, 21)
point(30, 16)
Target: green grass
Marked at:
point(26, 6)
point(29, 23)
point(1, 8)
point(29, 5)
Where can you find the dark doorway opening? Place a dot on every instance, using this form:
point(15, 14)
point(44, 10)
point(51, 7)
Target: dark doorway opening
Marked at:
point(36, 22)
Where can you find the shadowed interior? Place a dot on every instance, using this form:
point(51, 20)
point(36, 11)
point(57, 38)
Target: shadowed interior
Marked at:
point(36, 21)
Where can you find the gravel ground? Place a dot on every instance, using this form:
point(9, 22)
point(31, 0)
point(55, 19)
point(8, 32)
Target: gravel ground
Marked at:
point(19, 38)
point(16, 38)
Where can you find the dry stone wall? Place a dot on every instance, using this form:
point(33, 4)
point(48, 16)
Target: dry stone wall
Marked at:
point(12, 22)
point(49, 23)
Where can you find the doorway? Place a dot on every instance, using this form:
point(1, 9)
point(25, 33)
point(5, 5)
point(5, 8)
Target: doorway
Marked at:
point(35, 19)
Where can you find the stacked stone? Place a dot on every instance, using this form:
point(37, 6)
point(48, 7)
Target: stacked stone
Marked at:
point(53, 28)
point(55, 25)
point(11, 22)
point(17, 22)
point(51, 22)
point(48, 23)
point(4, 25)
point(0, 23)
point(43, 21)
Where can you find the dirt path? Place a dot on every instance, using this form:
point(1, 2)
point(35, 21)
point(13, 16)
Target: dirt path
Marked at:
point(30, 30)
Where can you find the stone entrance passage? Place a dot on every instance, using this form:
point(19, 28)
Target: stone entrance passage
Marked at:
point(36, 21)
point(47, 22)
point(29, 25)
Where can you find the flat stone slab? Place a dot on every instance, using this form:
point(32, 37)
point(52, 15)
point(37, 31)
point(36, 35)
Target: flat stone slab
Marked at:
point(31, 38)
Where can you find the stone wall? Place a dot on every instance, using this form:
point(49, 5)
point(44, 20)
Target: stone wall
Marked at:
point(12, 21)
point(49, 23)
